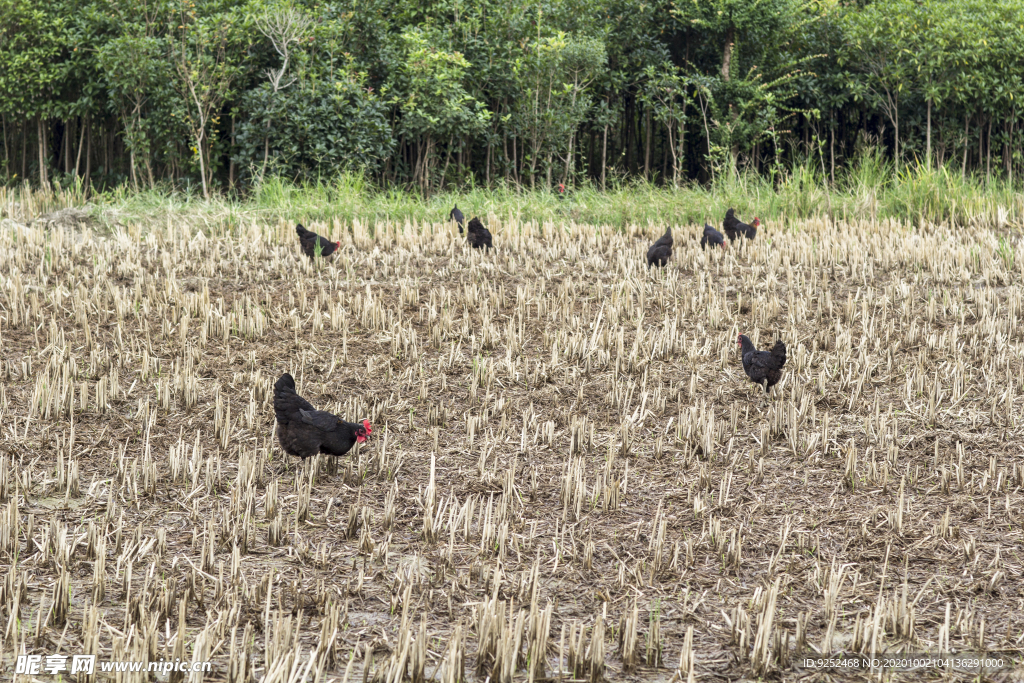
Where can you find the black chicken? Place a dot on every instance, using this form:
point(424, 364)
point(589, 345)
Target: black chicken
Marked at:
point(457, 216)
point(712, 237)
point(304, 431)
point(763, 367)
point(661, 251)
point(309, 241)
point(479, 236)
point(735, 228)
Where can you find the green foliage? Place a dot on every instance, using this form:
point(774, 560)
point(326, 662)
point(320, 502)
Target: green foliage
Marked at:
point(30, 41)
point(315, 128)
point(228, 93)
point(207, 51)
point(667, 92)
point(431, 99)
point(434, 101)
point(138, 81)
point(753, 85)
point(553, 75)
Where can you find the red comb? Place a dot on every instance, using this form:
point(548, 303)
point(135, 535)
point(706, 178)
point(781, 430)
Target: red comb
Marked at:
point(366, 426)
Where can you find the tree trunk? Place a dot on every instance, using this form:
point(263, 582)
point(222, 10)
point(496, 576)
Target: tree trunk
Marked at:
point(231, 164)
point(202, 167)
point(88, 150)
point(447, 160)
point(727, 53)
point(630, 133)
point(7, 152)
point(896, 131)
point(515, 162)
point(43, 177)
point(967, 127)
point(707, 138)
point(647, 143)
point(981, 142)
point(1006, 148)
point(1009, 148)
point(988, 152)
point(105, 140)
point(425, 176)
point(568, 157)
point(928, 137)
point(832, 146)
point(416, 152)
point(534, 153)
point(682, 134)
point(664, 160)
point(135, 180)
point(58, 139)
point(591, 153)
point(504, 141)
point(673, 150)
point(266, 155)
point(414, 163)
point(403, 156)
point(604, 157)
point(83, 123)
point(681, 155)
point(25, 137)
point(66, 147)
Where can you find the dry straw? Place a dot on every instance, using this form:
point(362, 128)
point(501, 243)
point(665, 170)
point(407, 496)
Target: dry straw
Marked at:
point(560, 435)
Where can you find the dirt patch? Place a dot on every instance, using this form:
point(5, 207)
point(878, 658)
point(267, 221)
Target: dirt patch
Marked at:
point(569, 474)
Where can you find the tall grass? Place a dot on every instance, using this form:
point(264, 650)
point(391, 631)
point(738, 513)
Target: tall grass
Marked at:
point(868, 189)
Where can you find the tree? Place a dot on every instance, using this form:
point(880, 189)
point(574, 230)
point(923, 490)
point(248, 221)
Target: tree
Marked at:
point(332, 124)
point(450, 91)
point(554, 74)
point(283, 28)
point(666, 93)
point(206, 68)
point(30, 37)
point(582, 61)
point(432, 99)
point(752, 82)
point(135, 69)
point(878, 37)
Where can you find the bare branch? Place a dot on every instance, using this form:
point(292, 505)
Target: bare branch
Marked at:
point(282, 29)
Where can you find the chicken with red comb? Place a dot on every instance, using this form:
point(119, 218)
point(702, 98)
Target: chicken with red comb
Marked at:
point(304, 431)
point(734, 227)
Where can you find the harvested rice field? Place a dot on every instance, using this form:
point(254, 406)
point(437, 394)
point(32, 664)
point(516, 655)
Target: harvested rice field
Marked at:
point(569, 475)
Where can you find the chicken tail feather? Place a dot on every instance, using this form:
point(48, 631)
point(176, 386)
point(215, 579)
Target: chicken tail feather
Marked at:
point(779, 352)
